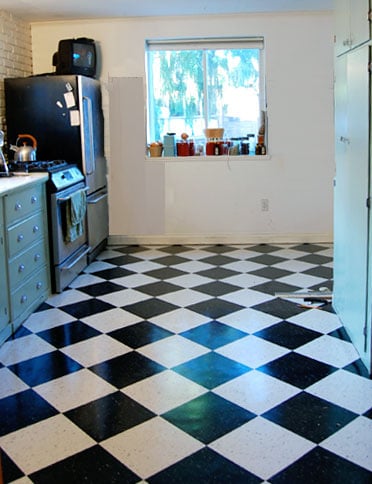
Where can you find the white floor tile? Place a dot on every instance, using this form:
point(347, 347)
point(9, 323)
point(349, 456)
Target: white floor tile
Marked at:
point(44, 443)
point(256, 391)
point(134, 280)
point(288, 253)
point(71, 391)
point(245, 280)
point(346, 389)
point(293, 265)
point(143, 266)
point(301, 280)
point(152, 446)
point(262, 447)
point(330, 350)
point(95, 350)
point(124, 297)
point(67, 297)
point(247, 297)
point(98, 265)
point(85, 280)
point(353, 442)
point(50, 318)
point(252, 351)
point(110, 320)
point(184, 297)
point(318, 320)
point(193, 266)
point(179, 320)
point(189, 280)
point(10, 383)
point(173, 351)
point(21, 349)
point(164, 391)
point(249, 320)
point(243, 266)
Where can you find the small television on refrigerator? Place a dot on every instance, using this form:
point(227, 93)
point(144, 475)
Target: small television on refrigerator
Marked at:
point(76, 56)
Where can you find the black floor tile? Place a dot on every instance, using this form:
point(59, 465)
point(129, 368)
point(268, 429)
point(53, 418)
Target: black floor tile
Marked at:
point(117, 412)
point(218, 260)
point(264, 248)
point(217, 288)
point(288, 335)
point(23, 409)
point(219, 248)
point(44, 368)
point(310, 416)
point(322, 467)
point(201, 417)
point(271, 272)
point(158, 288)
point(171, 260)
point(126, 369)
point(320, 271)
point(122, 260)
point(86, 308)
point(175, 249)
point(280, 308)
point(140, 334)
point(11, 472)
point(309, 247)
point(130, 249)
point(273, 287)
point(297, 370)
point(213, 334)
point(215, 308)
point(93, 465)
point(165, 273)
point(267, 259)
point(218, 273)
point(113, 273)
point(211, 370)
point(101, 288)
point(315, 259)
point(68, 334)
point(150, 308)
point(205, 466)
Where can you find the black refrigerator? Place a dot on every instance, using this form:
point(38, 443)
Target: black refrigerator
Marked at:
point(64, 114)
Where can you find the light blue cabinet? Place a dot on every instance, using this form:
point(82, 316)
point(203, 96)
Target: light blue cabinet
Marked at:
point(352, 277)
point(5, 329)
point(24, 255)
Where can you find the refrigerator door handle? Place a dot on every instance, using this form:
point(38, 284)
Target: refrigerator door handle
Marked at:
point(89, 161)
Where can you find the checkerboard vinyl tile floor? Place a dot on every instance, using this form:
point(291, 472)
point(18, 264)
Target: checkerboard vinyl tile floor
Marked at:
point(178, 364)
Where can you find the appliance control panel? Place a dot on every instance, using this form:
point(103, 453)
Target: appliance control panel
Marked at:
point(66, 177)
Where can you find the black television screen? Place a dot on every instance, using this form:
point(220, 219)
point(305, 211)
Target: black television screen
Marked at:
point(76, 56)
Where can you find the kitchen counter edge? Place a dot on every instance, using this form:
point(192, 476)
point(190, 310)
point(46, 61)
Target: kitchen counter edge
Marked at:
point(8, 184)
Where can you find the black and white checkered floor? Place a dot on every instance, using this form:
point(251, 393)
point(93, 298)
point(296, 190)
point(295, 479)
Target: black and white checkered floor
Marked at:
point(178, 364)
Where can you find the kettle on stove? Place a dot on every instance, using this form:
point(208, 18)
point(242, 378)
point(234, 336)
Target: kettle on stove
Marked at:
point(24, 152)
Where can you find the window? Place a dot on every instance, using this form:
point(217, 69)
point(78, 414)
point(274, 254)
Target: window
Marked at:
point(195, 84)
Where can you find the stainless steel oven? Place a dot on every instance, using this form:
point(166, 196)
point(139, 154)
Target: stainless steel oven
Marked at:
point(68, 254)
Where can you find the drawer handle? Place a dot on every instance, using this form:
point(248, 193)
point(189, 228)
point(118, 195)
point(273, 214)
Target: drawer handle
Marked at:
point(23, 299)
point(33, 199)
point(18, 206)
point(39, 285)
point(20, 238)
point(37, 257)
point(35, 229)
point(21, 268)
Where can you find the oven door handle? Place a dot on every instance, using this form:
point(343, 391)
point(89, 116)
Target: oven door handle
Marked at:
point(63, 199)
point(70, 266)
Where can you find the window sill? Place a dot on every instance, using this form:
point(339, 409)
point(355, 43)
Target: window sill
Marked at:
point(220, 158)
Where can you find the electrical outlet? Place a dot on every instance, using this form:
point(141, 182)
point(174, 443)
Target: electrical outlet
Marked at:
point(264, 204)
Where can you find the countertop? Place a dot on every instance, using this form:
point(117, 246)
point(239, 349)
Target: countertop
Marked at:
point(8, 184)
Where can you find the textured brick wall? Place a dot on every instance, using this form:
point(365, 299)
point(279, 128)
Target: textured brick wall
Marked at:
point(15, 53)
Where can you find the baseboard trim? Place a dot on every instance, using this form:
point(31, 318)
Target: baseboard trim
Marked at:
point(180, 239)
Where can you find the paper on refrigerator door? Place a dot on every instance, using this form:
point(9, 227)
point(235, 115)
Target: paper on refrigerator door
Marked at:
point(69, 99)
point(74, 117)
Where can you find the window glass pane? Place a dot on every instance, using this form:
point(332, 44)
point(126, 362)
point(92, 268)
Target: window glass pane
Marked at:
point(190, 90)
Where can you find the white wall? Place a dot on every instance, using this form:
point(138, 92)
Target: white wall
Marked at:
point(183, 200)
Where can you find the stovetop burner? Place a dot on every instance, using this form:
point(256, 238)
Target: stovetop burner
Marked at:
point(37, 166)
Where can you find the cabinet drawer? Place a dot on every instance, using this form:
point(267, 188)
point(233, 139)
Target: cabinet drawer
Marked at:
point(24, 234)
point(33, 289)
point(26, 263)
point(23, 203)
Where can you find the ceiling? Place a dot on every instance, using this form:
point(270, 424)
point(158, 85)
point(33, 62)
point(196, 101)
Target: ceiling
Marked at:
point(42, 10)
